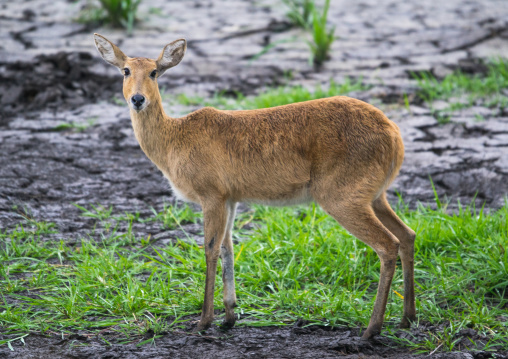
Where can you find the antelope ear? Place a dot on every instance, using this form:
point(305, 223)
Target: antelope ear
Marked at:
point(171, 55)
point(110, 52)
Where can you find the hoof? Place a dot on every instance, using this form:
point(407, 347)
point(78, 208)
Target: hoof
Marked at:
point(201, 328)
point(405, 323)
point(369, 334)
point(227, 325)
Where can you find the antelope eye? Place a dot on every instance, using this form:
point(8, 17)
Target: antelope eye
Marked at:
point(126, 71)
point(153, 74)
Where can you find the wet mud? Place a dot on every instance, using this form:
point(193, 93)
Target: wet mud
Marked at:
point(296, 341)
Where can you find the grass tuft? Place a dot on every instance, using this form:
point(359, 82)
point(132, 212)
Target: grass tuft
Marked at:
point(305, 14)
point(322, 38)
point(118, 13)
point(300, 12)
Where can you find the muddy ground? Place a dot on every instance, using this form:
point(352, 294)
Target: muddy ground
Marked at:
point(295, 341)
point(63, 140)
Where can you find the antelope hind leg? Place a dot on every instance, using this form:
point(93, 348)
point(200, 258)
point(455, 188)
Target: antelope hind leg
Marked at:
point(406, 237)
point(359, 219)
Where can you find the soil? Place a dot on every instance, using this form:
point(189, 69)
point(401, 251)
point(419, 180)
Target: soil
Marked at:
point(63, 140)
point(297, 341)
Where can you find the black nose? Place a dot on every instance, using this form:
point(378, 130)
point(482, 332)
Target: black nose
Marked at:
point(137, 100)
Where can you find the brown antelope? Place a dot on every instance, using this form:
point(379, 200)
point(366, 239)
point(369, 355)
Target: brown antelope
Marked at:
point(340, 152)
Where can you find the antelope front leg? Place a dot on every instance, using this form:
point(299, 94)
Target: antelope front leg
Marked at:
point(215, 215)
point(228, 271)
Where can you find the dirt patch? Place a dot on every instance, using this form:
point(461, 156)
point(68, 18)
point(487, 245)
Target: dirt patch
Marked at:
point(296, 341)
point(55, 82)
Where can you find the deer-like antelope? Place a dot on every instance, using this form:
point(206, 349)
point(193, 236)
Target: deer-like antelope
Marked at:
point(340, 152)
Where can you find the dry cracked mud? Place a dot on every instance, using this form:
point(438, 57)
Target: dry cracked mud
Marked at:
point(64, 141)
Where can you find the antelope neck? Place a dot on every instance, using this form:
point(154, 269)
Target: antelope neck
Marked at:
point(152, 130)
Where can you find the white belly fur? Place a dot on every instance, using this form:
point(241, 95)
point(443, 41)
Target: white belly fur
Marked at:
point(178, 194)
point(301, 197)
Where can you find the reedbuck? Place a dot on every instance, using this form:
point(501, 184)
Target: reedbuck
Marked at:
point(340, 152)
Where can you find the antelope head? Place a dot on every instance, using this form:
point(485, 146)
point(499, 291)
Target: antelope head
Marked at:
point(140, 87)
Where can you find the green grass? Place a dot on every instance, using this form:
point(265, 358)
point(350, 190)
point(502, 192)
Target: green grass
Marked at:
point(322, 38)
point(273, 96)
point(305, 14)
point(462, 90)
point(75, 126)
point(313, 19)
point(118, 13)
point(300, 12)
point(298, 263)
